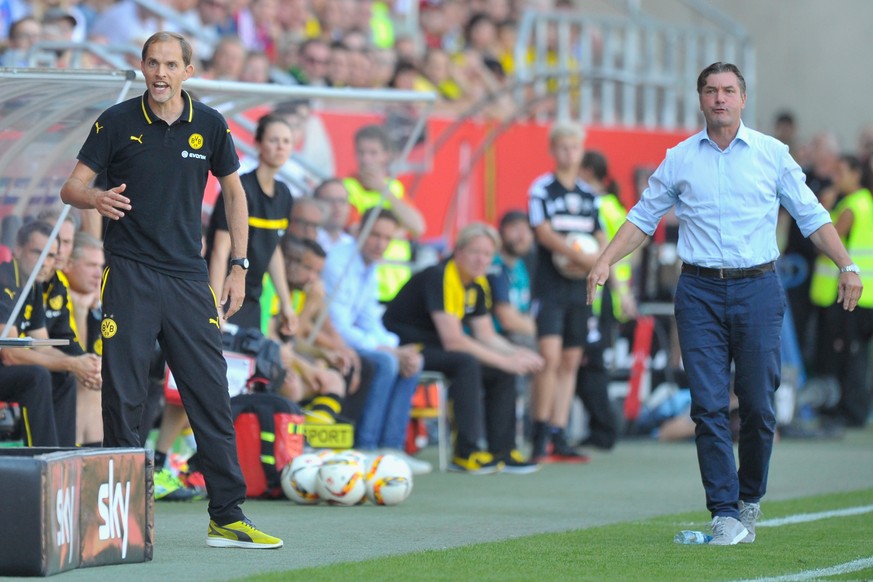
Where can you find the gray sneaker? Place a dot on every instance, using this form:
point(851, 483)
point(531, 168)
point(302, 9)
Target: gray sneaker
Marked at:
point(727, 531)
point(749, 514)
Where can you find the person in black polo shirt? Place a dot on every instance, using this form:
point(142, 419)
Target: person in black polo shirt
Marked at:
point(66, 370)
point(269, 202)
point(156, 151)
point(433, 309)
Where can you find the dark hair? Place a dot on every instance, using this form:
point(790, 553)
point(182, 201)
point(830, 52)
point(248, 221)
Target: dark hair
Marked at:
point(291, 106)
point(289, 242)
point(375, 133)
point(785, 117)
point(400, 68)
point(852, 161)
point(313, 247)
point(596, 162)
point(511, 217)
point(380, 213)
point(267, 120)
point(720, 67)
point(164, 36)
point(28, 229)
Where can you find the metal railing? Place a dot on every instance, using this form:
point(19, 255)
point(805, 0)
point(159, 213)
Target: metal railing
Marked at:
point(629, 70)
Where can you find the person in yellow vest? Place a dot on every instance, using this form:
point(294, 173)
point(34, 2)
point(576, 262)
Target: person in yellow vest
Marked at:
point(615, 303)
point(372, 184)
point(844, 336)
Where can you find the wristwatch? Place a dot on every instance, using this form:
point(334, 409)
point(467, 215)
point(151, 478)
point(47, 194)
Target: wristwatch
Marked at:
point(241, 262)
point(850, 268)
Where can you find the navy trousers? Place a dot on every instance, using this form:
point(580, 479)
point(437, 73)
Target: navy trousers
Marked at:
point(725, 323)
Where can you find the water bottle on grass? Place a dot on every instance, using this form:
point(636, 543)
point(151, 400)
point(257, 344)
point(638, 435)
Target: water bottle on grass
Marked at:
point(688, 537)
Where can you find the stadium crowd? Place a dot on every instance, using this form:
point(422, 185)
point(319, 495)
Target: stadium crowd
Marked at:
point(477, 315)
point(463, 51)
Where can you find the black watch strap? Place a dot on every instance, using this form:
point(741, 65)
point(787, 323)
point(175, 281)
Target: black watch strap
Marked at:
point(242, 262)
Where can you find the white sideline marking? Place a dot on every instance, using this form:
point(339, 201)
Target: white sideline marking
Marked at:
point(806, 517)
point(854, 566)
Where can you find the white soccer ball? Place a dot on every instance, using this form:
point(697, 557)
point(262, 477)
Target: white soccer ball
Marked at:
point(350, 455)
point(389, 480)
point(579, 241)
point(298, 479)
point(340, 481)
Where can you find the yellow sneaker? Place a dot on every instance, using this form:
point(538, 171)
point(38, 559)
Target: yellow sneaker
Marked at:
point(240, 534)
point(478, 463)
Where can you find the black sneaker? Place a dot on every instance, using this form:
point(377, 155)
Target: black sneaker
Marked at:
point(562, 452)
point(517, 465)
point(539, 439)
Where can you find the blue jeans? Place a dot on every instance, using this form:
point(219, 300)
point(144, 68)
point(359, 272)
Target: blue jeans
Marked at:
point(722, 322)
point(385, 415)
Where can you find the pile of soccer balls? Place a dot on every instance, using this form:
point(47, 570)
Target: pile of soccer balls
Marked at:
point(346, 478)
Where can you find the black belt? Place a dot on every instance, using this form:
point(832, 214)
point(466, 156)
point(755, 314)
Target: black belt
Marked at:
point(743, 273)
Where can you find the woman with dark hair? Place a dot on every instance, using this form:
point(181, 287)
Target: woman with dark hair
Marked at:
point(269, 203)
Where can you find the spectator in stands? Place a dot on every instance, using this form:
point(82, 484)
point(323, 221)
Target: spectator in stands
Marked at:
point(125, 23)
point(227, 61)
point(360, 69)
point(560, 205)
point(350, 281)
point(296, 20)
point(339, 65)
point(213, 18)
point(269, 205)
point(58, 25)
point(314, 147)
point(23, 34)
point(257, 26)
point(729, 300)
point(66, 370)
point(84, 272)
point(844, 337)
point(433, 309)
point(256, 68)
point(372, 185)
point(313, 63)
point(334, 195)
point(865, 144)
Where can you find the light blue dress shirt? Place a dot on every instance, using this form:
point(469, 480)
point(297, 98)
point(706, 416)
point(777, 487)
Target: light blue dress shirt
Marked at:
point(727, 201)
point(354, 309)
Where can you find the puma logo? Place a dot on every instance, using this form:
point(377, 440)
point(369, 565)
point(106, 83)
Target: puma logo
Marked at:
point(97, 127)
point(10, 292)
point(137, 139)
point(215, 321)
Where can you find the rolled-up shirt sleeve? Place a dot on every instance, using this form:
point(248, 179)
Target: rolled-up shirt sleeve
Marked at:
point(796, 197)
point(656, 200)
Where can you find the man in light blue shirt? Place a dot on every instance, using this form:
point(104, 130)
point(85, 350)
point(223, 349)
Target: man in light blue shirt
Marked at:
point(350, 281)
point(726, 184)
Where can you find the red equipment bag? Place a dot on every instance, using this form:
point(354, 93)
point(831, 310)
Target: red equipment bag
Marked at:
point(269, 434)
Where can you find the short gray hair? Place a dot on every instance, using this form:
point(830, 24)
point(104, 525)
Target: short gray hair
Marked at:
point(83, 241)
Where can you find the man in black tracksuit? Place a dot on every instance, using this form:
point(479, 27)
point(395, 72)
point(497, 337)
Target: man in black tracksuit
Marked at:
point(156, 151)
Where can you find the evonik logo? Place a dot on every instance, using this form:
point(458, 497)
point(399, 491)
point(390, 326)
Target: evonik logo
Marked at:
point(187, 154)
point(114, 509)
point(64, 508)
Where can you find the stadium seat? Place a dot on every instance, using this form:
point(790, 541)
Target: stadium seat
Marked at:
point(428, 402)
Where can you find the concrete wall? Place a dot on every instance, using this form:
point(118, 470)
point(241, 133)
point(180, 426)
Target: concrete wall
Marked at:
point(812, 59)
